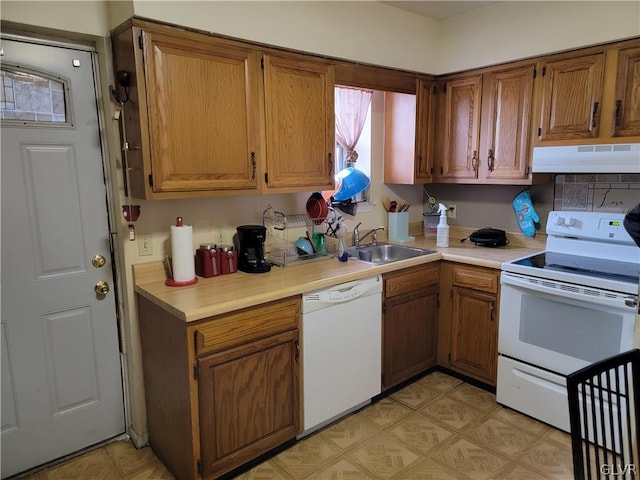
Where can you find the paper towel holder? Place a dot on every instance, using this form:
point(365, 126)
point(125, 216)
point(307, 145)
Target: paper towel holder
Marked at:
point(170, 282)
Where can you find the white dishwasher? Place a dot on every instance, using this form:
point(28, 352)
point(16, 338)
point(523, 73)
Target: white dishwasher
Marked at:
point(341, 350)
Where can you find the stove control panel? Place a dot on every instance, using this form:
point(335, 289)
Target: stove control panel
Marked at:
point(611, 224)
point(600, 226)
point(566, 221)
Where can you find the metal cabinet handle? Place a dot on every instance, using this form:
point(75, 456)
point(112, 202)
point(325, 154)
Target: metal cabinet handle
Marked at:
point(618, 114)
point(330, 163)
point(253, 165)
point(474, 160)
point(492, 308)
point(594, 113)
point(490, 160)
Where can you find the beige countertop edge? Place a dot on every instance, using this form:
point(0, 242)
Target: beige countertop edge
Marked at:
point(223, 294)
point(219, 295)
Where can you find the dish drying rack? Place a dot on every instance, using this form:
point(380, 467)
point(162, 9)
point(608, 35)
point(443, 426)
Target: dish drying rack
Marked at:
point(279, 248)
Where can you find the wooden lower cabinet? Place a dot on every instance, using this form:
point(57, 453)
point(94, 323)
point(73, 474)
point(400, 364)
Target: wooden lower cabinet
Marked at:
point(249, 395)
point(221, 391)
point(409, 323)
point(469, 321)
point(474, 334)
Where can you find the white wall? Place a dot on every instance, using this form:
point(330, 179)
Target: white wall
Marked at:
point(377, 33)
point(365, 31)
point(513, 30)
point(83, 17)
point(370, 32)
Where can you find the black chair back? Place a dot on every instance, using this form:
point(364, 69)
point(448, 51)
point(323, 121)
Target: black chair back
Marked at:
point(604, 414)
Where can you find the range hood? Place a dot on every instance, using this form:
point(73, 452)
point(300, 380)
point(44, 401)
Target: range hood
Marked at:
point(614, 158)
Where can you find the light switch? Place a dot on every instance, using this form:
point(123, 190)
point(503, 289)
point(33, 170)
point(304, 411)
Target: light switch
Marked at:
point(145, 244)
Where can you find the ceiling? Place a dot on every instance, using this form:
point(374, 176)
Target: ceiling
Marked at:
point(439, 10)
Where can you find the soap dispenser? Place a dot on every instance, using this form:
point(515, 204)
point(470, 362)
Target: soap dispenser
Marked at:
point(442, 239)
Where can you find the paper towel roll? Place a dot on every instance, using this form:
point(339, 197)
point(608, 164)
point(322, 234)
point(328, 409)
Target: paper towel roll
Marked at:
point(184, 269)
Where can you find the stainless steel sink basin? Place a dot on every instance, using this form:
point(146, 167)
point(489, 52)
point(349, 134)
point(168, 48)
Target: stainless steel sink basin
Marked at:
point(386, 253)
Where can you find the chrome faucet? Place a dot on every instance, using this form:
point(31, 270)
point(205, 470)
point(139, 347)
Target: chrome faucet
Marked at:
point(373, 232)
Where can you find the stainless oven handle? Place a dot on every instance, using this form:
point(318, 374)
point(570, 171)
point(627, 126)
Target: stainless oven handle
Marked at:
point(572, 292)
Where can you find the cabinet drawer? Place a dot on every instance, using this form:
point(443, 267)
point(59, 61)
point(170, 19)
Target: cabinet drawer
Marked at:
point(247, 325)
point(410, 279)
point(476, 279)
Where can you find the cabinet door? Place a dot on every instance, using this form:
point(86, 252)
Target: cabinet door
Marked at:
point(425, 131)
point(460, 128)
point(474, 334)
point(571, 98)
point(506, 110)
point(627, 107)
point(300, 124)
point(408, 135)
point(248, 400)
point(409, 335)
point(202, 113)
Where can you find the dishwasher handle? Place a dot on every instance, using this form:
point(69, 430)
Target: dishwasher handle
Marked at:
point(345, 292)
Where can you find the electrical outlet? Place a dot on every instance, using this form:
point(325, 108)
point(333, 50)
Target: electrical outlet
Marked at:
point(452, 211)
point(219, 235)
point(145, 244)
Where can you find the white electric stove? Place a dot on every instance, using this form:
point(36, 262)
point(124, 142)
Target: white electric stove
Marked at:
point(564, 308)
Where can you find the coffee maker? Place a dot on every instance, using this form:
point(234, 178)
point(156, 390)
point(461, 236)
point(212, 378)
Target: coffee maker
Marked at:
point(251, 249)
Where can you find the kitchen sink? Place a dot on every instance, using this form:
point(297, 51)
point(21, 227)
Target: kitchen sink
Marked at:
point(386, 253)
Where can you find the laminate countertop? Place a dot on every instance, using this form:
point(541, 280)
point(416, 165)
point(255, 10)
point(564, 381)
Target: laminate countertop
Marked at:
point(227, 293)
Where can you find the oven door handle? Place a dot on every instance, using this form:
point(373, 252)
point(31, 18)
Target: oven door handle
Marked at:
point(573, 292)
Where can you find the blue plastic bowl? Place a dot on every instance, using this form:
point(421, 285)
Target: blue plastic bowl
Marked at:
point(351, 182)
point(304, 246)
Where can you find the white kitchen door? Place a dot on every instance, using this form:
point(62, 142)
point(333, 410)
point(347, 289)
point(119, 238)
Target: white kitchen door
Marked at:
point(62, 385)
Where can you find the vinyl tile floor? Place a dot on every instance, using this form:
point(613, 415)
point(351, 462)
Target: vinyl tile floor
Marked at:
point(436, 428)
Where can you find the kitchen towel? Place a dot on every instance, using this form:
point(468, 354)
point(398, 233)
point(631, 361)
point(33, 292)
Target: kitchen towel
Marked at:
point(182, 253)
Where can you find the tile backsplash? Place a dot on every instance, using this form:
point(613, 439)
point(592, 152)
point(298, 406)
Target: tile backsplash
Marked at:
point(597, 192)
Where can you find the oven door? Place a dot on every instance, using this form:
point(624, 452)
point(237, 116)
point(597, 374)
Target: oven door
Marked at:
point(562, 327)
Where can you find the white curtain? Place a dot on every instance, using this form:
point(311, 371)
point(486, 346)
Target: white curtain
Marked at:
point(351, 106)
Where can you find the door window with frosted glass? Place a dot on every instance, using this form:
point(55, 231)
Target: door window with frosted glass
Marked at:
point(33, 98)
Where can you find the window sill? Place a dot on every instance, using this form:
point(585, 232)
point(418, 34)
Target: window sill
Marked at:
point(366, 207)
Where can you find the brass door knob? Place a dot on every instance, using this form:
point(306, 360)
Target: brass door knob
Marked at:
point(98, 261)
point(102, 287)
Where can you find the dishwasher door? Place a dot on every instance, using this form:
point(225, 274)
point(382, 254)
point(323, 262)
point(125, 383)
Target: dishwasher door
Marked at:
point(341, 350)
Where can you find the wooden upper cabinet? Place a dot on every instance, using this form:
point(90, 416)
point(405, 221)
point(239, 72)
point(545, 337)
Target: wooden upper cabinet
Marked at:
point(300, 123)
point(506, 119)
point(572, 98)
point(459, 132)
point(211, 116)
point(203, 113)
point(627, 98)
point(425, 131)
point(408, 145)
